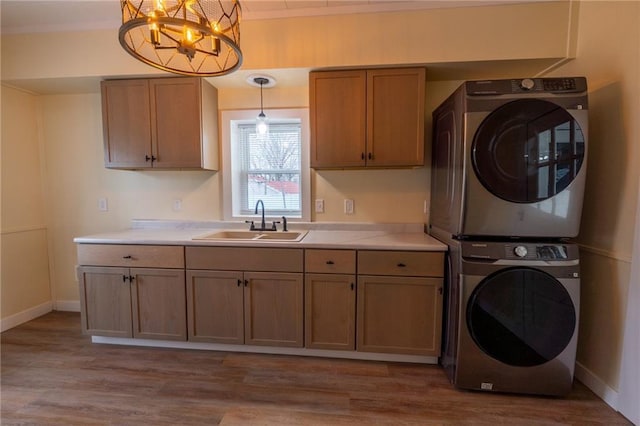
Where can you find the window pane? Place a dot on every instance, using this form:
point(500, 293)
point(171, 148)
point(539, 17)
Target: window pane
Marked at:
point(270, 169)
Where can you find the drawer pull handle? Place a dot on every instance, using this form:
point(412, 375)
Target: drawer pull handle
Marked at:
point(401, 265)
point(239, 283)
point(127, 257)
point(246, 283)
point(352, 287)
point(329, 262)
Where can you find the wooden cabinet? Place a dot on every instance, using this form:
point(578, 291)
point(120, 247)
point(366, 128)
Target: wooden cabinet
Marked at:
point(142, 302)
point(163, 123)
point(367, 118)
point(256, 293)
point(330, 299)
point(399, 308)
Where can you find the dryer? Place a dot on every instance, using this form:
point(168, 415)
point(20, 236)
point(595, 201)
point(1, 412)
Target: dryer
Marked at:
point(512, 316)
point(509, 158)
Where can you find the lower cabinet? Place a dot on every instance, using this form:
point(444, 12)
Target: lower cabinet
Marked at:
point(145, 303)
point(399, 315)
point(330, 299)
point(253, 296)
point(255, 308)
point(129, 290)
point(399, 308)
point(351, 300)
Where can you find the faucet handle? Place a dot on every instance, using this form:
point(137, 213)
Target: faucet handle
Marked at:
point(252, 227)
point(273, 225)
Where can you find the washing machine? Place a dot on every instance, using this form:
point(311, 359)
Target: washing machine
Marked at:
point(511, 323)
point(509, 158)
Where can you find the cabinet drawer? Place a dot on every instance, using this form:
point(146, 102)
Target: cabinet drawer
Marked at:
point(403, 263)
point(244, 259)
point(129, 255)
point(330, 261)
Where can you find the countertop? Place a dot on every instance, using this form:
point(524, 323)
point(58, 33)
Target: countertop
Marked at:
point(319, 235)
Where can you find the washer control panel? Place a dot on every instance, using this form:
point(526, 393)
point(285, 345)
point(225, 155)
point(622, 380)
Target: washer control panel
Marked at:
point(518, 250)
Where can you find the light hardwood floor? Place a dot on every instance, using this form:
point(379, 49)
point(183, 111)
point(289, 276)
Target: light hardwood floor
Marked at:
point(53, 375)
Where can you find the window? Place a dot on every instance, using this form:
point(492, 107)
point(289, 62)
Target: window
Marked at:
point(272, 168)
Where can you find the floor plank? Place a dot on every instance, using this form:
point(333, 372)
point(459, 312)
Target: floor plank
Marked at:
point(53, 375)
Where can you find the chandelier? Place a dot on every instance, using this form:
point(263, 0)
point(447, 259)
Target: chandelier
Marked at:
point(188, 37)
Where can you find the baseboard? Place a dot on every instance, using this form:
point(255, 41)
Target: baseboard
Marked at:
point(67, 305)
point(597, 386)
point(274, 350)
point(24, 316)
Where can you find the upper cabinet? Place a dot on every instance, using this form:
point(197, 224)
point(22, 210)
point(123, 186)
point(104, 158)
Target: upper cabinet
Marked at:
point(160, 123)
point(367, 118)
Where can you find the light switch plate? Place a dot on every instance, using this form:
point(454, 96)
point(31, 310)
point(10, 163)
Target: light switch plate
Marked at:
point(348, 206)
point(103, 204)
point(319, 206)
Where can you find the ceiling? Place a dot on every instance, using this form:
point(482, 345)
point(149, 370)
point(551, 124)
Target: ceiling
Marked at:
point(33, 16)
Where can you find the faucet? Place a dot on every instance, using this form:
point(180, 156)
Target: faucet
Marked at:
point(262, 224)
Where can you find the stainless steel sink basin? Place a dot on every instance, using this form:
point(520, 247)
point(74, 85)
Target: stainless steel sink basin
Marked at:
point(291, 236)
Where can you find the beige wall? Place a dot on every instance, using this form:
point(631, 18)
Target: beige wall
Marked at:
point(25, 272)
point(608, 53)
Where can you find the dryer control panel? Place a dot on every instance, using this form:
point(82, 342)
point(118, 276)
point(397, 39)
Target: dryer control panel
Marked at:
point(527, 85)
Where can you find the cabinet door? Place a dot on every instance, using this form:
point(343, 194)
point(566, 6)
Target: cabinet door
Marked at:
point(330, 311)
point(105, 299)
point(215, 306)
point(399, 315)
point(176, 122)
point(273, 309)
point(395, 117)
point(125, 119)
point(159, 304)
point(337, 102)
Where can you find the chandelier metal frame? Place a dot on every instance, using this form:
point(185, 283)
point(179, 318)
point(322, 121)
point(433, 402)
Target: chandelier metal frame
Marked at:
point(187, 37)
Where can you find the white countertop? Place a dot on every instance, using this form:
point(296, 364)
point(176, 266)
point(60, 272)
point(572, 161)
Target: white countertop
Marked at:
point(325, 235)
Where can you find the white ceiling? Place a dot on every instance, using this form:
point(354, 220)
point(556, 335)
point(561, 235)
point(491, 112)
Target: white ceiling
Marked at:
point(28, 16)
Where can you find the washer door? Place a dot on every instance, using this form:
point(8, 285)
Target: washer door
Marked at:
point(521, 316)
point(528, 150)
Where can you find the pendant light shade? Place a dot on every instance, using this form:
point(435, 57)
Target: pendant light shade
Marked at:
point(188, 37)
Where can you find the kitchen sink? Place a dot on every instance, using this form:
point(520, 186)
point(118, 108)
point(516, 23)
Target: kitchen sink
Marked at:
point(292, 236)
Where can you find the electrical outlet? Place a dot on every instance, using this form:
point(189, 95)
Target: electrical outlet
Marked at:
point(319, 206)
point(348, 206)
point(103, 204)
point(177, 205)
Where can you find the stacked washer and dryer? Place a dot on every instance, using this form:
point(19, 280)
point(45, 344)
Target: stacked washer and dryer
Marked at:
point(507, 184)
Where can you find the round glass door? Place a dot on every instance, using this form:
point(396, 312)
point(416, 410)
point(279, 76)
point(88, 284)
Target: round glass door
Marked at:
point(521, 316)
point(528, 150)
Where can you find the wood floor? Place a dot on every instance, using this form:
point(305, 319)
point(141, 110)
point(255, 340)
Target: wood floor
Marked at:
point(53, 375)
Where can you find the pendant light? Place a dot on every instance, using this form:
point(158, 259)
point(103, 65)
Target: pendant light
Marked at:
point(262, 123)
point(262, 81)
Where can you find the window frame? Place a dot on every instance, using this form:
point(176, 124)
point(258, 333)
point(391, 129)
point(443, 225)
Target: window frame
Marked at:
point(229, 120)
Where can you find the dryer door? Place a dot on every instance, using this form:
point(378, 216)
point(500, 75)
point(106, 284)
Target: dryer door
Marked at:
point(528, 150)
point(521, 316)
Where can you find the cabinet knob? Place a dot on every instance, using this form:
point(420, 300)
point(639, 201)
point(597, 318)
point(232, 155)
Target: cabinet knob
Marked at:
point(246, 283)
point(352, 286)
point(370, 156)
point(362, 156)
point(330, 262)
point(127, 257)
point(401, 265)
point(239, 283)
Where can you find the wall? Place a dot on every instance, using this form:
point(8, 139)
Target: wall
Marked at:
point(608, 53)
point(24, 237)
